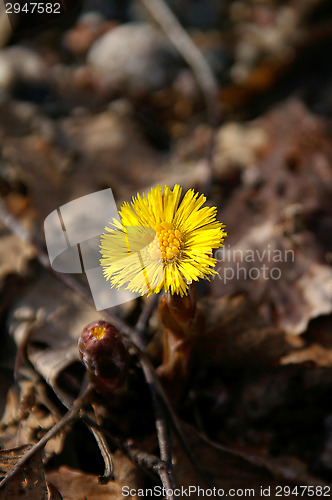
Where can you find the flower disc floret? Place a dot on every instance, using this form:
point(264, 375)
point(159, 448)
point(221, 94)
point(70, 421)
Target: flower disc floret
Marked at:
point(167, 242)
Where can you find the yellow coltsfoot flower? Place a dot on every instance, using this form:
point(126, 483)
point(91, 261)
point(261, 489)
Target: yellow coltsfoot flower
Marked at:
point(161, 242)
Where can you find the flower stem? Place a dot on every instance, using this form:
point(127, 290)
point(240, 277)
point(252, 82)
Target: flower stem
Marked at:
point(182, 324)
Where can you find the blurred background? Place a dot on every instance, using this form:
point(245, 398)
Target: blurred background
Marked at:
point(102, 95)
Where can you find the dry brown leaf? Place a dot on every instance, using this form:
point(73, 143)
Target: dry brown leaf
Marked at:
point(75, 485)
point(238, 333)
point(45, 324)
point(280, 217)
point(29, 483)
point(29, 415)
point(56, 314)
point(221, 467)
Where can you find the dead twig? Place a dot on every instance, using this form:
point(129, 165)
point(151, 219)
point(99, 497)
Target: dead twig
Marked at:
point(190, 53)
point(166, 473)
point(155, 386)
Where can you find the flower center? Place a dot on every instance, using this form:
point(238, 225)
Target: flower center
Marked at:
point(98, 332)
point(168, 241)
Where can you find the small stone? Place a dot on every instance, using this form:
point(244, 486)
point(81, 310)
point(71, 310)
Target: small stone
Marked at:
point(136, 55)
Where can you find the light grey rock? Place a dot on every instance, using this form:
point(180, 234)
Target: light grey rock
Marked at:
point(136, 55)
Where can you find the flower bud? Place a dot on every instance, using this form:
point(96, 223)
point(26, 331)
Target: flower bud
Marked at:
point(104, 355)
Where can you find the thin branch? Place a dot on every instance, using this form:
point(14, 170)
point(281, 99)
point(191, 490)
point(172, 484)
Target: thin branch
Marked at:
point(68, 418)
point(166, 473)
point(166, 470)
point(190, 53)
point(156, 387)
